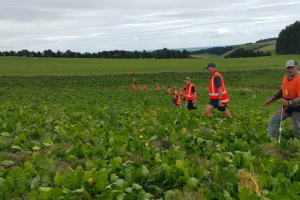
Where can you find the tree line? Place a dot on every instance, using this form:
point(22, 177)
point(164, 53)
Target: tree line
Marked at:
point(266, 40)
point(242, 53)
point(116, 54)
point(214, 50)
point(288, 41)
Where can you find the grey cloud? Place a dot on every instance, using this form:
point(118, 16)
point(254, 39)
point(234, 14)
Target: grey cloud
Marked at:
point(107, 25)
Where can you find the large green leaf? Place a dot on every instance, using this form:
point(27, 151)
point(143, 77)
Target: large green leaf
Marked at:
point(179, 165)
point(7, 163)
point(33, 195)
point(35, 182)
point(44, 192)
point(58, 179)
point(5, 134)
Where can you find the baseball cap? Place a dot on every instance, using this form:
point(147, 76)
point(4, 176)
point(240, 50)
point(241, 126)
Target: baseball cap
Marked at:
point(187, 79)
point(290, 63)
point(210, 65)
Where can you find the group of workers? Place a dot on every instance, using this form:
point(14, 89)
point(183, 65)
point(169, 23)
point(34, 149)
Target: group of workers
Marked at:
point(218, 97)
point(217, 93)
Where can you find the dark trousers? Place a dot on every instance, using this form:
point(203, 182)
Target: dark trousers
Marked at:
point(190, 105)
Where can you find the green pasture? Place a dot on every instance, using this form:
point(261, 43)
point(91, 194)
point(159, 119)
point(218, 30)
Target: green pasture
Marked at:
point(254, 46)
point(204, 56)
point(72, 66)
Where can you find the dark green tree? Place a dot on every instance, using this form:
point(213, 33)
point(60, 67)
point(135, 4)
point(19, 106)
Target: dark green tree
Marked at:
point(288, 41)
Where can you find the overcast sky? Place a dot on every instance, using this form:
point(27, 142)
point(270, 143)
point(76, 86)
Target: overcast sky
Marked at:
point(97, 25)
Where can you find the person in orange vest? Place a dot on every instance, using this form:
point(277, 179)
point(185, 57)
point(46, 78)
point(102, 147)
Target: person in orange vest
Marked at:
point(140, 88)
point(157, 87)
point(134, 80)
point(290, 102)
point(169, 90)
point(132, 73)
point(133, 86)
point(217, 92)
point(174, 90)
point(145, 87)
point(190, 94)
point(177, 99)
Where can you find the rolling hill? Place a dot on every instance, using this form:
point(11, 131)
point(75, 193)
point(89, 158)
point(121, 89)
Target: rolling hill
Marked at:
point(263, 46)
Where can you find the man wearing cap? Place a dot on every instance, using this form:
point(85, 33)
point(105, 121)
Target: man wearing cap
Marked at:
point(217, 92)
point(290, 94)
point(191, 95)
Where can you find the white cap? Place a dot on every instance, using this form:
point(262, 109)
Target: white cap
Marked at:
point(290, 63)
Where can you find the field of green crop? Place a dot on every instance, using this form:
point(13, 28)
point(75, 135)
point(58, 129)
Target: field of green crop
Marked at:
point(92, 137)
point(65, 66)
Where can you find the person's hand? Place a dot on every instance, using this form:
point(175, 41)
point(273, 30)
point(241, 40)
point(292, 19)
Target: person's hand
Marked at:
point(194, 101)
point(220, 104)
point(268, 101)
point(284, 102)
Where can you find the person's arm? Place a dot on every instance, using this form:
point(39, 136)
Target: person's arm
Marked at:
point(217, 81)
point(295, 102)
point(194, 97)
point(276, 96)
point(194, 94)
point(220, 97)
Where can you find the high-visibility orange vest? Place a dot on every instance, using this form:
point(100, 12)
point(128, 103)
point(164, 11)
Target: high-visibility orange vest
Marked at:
point(213, 90)
point(133, 86)
point(189, 93)
point(169, 91)
point(140, 88)
point(291, 89)
point(132, 72)
point(145, 87)
point(157, 87)
point(178, 99)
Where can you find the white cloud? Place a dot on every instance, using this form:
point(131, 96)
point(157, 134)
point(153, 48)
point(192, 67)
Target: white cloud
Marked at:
point(223, 30)
point(99, 25)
